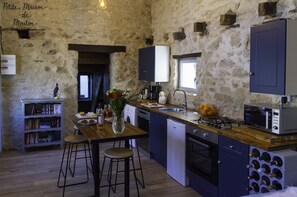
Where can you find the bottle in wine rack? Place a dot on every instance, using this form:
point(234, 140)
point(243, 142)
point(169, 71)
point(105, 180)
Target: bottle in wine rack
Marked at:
point(265, 156)
point(265, 169)
point(254, 153)
point(276, 173)
point(255, 164)
point(276, 161)
point(264, 190)
point(254, 187)
point(254, 175)
point(265, 181)
point(275, 185)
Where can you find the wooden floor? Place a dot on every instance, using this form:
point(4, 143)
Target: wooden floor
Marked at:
point(35, 174)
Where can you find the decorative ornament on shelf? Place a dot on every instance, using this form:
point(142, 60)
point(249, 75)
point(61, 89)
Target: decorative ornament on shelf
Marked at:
point(102, 4)
point(56, 90)
point(117, 100)
point(162, 98)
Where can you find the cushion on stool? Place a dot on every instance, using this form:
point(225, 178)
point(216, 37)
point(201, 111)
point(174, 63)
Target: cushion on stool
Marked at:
point(75, 139)
point(118, 153)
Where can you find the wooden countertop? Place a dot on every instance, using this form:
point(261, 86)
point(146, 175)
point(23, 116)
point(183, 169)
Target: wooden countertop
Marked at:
point(244, 134)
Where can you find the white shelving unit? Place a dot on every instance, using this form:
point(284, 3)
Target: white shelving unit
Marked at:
point(42, 122)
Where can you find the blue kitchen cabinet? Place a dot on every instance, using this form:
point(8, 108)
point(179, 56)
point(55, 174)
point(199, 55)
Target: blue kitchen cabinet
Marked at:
point(233, 173)
point(158, 138)
point(273, 65)
point(154, 64)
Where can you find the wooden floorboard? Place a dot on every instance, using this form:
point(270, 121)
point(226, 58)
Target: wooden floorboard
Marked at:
point(35, 174)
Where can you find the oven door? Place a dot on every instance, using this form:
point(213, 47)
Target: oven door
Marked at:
point(202, 158)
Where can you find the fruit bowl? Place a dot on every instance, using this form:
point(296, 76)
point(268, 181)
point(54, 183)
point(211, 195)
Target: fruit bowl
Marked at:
point(207, 110)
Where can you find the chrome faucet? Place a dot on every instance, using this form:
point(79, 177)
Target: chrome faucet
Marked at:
point(185, 98)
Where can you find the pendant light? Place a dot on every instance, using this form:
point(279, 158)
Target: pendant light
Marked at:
point(102, 4)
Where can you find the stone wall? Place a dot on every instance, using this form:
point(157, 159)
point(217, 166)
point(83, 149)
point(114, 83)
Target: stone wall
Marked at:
point(223, 69)
point(44, 59)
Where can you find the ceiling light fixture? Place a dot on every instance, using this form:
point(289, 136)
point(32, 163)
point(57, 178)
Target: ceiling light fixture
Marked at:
point(102, 4)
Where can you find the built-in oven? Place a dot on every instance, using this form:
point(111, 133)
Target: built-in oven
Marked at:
point(202, 154)
point(143, 120)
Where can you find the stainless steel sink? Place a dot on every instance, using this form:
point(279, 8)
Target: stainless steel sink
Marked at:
point(172, 109)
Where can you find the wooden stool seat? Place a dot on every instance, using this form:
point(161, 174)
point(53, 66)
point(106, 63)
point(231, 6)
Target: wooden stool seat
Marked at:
point(118, 153)
point(75, 139)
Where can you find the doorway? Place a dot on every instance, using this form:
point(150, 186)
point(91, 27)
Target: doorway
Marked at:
point(92, 83)
point(93, 74)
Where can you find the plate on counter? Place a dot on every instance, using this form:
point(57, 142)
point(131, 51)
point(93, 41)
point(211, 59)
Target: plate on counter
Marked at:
point(87, 121)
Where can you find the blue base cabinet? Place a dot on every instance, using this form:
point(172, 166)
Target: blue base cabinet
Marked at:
point(158, 138)
point(233, 173)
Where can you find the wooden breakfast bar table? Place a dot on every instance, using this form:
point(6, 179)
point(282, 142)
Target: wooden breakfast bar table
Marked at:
point(96, 137)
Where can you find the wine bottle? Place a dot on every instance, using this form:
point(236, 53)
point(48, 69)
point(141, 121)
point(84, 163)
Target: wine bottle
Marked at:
point(255, 153)
point(254, 176)
point(254, 187)
point(265, 156)
point(276, 161)
point(276, 173)
point(100, 119)
point(255, 164)
point(265, 169)
point(265, 181)
point(264, 190)
point(275, 185)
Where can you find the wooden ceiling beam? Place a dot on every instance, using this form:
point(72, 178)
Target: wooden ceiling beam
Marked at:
point(96, 48)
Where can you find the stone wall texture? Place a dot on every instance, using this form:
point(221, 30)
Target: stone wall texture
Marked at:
point(44, 59)
point(223, 68)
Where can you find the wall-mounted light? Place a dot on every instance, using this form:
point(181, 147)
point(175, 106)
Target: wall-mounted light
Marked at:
point(201, 28)
point(102, 4)
point(179, 35)
point(267, 9)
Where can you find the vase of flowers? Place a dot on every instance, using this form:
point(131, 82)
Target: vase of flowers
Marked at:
point(117, 99)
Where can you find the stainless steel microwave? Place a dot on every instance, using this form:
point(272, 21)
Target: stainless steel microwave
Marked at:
point(271, 118)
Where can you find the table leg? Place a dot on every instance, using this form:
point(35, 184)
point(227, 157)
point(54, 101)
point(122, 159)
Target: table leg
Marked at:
point(127, 172)
point(95, 152)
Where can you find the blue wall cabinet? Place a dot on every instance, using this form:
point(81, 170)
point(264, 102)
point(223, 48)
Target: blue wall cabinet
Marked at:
point(273, 65)
point(154, 64)
point(233, 173)
point(158, 138)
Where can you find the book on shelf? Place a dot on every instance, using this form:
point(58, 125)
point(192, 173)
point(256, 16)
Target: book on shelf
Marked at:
point(33, 138)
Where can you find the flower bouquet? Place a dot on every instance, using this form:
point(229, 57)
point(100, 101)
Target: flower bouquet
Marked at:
point(117, 100)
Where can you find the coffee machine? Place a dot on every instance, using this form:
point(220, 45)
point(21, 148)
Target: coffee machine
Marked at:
point(153, 92)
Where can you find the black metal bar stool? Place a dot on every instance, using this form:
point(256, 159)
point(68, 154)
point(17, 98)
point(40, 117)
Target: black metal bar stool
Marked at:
point(69, 142)
point(76, 150)
point(139, 168)
point(117, 154)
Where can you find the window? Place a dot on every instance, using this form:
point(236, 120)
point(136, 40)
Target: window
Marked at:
point(187, 74)
point(84, 86)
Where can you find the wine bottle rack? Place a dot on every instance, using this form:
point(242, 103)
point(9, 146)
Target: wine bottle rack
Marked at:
point(271, 171)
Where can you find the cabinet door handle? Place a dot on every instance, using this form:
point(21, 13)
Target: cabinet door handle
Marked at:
point(252, 73)
point(219, 162)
